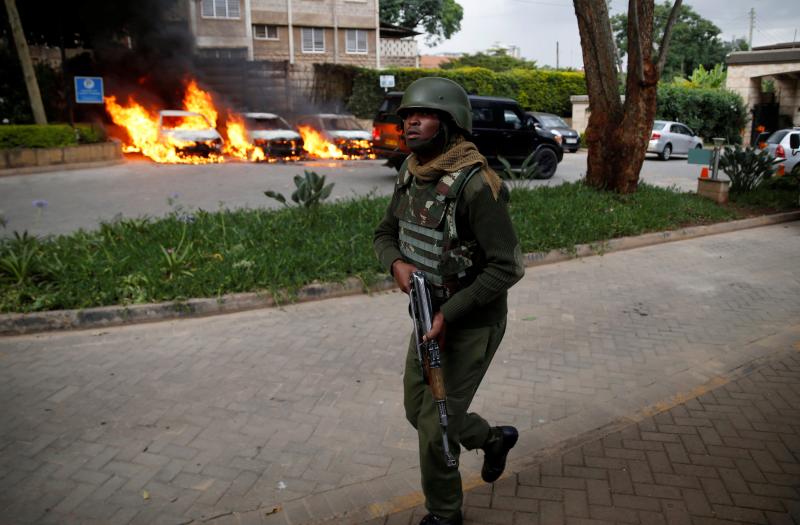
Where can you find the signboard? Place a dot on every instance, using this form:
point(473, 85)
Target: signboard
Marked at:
point(387, 81)
point(89, 90)
point(700, 156)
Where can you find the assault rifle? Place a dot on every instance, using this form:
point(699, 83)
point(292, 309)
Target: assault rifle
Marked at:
point(428, 353)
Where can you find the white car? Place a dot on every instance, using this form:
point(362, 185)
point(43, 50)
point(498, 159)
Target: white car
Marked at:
point(271, 133)
point(785, 143)
point(669, 138)
point(191, 132)
point(342, 130)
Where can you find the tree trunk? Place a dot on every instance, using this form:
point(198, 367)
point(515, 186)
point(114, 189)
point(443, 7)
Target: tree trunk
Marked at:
point(27, 66)
point(617, 133)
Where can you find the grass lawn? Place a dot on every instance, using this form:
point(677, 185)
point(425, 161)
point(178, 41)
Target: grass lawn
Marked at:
point(207, 254)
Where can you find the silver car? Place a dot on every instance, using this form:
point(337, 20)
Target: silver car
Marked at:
point(672, 138)
point(785, 143)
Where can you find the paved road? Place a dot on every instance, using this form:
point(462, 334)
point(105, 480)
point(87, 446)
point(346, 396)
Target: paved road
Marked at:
point(82, 198)
point(298, 410)
point(729, 456)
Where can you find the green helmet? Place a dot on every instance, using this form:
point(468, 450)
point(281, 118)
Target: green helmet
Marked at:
point(440, 94)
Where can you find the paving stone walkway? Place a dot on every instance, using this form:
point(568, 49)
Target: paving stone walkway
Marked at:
point(729, 456)
point(294, 415)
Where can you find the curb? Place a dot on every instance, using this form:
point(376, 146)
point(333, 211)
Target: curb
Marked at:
point(50, 168)
point(16, 324)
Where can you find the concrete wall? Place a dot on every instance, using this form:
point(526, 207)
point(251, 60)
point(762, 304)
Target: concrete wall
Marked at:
point(745, 79)
point(84, 153)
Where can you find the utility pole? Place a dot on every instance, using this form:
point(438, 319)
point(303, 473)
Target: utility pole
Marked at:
point(556, 55)
point(27, 66)
point(752, 24)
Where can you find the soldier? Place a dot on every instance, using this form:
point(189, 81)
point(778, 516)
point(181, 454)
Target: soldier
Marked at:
point(448, 217)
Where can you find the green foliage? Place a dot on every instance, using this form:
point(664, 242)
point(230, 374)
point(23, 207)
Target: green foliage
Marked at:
point(438, 18)
point(535, 90)
point(516, 178)
point(695, 40)
point(35, 136)
point(48, 136)
point(311, 190)
point(703, 78)
point(496, 60)
point(746, 168)
point(246, 250)
point(709, 112)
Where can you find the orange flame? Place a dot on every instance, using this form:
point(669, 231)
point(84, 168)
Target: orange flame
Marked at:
point(199, 101)
point(237, 145)
point(142, 128)
point(316, 145)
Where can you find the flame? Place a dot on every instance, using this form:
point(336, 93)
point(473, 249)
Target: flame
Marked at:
point(199, 101)
point(142, 128)
point(316, 145)
point(237, 145)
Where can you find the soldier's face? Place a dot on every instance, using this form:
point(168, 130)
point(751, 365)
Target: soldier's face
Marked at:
point(420, 125)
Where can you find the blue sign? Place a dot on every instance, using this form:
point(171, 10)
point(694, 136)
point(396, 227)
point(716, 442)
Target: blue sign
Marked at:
point(89, 90)
point(700, 156)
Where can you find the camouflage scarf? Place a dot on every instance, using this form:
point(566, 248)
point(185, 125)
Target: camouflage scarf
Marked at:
point(461, 154)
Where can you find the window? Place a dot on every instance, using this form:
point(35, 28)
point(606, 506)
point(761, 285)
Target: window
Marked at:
point(219, 9)
point(482, 117)
point(511, 119)
point(356, 41)
point(265, 32)
point(313, 39)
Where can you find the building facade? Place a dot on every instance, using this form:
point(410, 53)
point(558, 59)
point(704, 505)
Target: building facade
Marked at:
point(298, 31)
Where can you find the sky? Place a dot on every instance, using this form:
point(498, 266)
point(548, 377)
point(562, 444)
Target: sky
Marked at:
point(536, 25)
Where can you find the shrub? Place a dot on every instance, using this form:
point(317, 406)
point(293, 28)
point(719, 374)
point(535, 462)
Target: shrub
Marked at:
point(709, 112)
point(746, 168)
point(49, 136)
point(534, 89)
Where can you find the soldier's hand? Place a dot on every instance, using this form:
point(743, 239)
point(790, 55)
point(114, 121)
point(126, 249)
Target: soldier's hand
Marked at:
point(402, 271)
point(437, 330)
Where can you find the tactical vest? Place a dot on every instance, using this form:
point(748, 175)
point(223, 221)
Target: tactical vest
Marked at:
point(428, 236)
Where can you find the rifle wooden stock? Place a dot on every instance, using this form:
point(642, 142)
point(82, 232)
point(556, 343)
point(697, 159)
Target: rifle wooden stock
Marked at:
point(429, 354)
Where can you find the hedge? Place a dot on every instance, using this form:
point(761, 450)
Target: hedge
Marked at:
point(535, 90)
point(48, 136)
point(709, 112)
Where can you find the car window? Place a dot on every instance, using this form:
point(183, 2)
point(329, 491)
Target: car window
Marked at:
point(341, 123)
point(184, 122)
point(482, 117)
point(677, 128)
point(511, 119)
point(659, 125)
point(267, 123)
point(553, 122)
point(390, 105)
point(777, 137)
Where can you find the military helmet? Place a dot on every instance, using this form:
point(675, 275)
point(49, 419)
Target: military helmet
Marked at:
point(442, 95)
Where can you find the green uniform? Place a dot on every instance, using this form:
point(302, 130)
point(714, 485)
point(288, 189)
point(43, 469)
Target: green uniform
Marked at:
point(459, 233)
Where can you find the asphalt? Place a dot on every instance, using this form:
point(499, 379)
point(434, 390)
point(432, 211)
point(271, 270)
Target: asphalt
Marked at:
point(633, 359)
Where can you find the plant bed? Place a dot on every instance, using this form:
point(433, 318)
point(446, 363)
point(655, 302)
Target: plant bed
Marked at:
point(209, 254)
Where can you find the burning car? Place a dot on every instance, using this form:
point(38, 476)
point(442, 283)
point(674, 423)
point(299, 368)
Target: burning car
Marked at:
point(189, 132)
point(343, 132)
point(275, 136)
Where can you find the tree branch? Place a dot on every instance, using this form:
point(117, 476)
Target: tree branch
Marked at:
point(636, 42)
point(664, 47)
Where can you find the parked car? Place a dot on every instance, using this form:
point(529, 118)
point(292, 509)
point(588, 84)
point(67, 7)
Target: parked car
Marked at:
point(275, 136)
point(669, 138)
point(499, 128)
point(191, 132)
point(564, 135)
point(343, 131)
point(785, 143)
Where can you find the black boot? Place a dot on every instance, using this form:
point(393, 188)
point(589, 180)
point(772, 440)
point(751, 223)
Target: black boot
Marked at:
point(501, 440)
point(433, 519)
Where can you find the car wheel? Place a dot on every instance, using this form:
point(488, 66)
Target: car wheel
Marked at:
point(547, 161)
point(666, 153)
point(698, 146)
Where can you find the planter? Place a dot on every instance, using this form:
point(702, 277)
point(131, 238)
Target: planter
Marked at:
point(22, 158)
point(716, 190)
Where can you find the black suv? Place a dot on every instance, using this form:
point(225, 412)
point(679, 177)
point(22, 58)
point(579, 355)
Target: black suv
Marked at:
point(500, 128)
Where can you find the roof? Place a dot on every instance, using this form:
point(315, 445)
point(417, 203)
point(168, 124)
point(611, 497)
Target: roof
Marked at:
point(433, 61)
point(260, 115)
point(178, 113)
point(783, 45)
point(392, 31)
point(765, 56)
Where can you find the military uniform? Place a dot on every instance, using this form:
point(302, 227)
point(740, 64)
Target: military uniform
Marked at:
point(457, 230)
